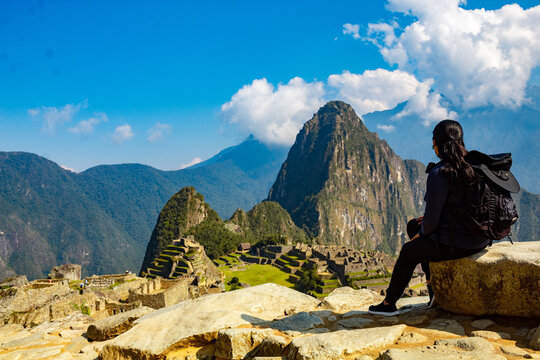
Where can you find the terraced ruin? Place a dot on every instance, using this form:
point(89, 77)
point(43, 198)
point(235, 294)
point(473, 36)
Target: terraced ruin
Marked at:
point(183, 257)
point(336, 266)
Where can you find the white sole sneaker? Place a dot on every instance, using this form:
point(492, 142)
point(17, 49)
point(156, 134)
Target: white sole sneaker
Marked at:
point(383, 313)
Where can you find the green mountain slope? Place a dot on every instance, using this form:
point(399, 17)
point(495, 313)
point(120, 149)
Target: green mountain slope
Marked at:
point(51, 216)
point(48, 220)
point(265, 220)
point(184, 210)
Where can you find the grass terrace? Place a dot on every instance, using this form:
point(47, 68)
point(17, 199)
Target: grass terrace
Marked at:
point(256, 274)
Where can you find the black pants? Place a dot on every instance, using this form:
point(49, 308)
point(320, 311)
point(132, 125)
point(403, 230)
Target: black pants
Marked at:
point(422, 251)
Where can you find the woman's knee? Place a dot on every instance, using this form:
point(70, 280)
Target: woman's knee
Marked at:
point(407, 250)
point(415, 251)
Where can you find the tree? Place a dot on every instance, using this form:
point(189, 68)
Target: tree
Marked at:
point(234, 283)
point(309, 278)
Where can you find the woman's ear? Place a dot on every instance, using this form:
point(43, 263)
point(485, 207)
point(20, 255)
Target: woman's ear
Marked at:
point(436, 149)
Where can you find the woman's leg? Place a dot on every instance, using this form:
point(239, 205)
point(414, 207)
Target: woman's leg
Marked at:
point(418, 251)
point(425, 269)
point(413, 228)
point(412, 253)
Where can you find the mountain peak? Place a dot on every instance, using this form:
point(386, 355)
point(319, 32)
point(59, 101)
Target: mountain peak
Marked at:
point(336, 105)
point(344, 185)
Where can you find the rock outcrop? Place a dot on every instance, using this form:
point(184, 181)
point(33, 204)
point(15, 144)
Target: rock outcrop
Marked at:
point(66, 271)
point(346, 298)
point(503, 279)
point(115, 325)
point(197, 319)
point(336, 345)
point(272, 322)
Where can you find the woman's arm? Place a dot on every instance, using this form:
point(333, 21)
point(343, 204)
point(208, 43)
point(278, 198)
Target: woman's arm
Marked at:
point(436, 193)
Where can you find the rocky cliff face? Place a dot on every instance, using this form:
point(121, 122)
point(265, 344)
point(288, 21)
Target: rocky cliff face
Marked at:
point(184, 210)
point(344, 185)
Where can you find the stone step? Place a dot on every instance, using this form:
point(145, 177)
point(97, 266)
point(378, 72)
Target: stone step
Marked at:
point(168, 250)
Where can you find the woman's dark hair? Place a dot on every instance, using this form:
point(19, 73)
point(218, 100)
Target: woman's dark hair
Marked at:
point(448, 136)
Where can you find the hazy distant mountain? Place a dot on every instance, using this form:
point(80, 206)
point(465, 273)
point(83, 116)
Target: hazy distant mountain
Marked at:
point(521, 136)
point(104, 216)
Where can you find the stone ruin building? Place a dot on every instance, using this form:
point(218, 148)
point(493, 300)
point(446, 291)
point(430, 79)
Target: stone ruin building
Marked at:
point(188, 274)
point(183, 257)
point(358, 268)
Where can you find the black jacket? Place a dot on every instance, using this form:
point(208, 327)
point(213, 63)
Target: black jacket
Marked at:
point(439, 194)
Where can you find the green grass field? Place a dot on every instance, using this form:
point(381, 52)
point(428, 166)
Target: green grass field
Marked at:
point(256, 274)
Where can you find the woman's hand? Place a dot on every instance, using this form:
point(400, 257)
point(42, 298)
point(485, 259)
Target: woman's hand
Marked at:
point(420, 219)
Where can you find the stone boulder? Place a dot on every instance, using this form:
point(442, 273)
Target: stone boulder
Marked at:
point(336, 345)
point(346, 298)
point(115, 325)
point(302, 321)
point(66, 271)
point(503, 279)
point(156, 334)
point(235, 344)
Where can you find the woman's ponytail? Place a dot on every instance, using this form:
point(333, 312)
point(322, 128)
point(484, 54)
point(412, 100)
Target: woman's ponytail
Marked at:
point(448, 136)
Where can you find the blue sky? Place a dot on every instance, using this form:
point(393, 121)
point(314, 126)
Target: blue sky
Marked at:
point(163, 83)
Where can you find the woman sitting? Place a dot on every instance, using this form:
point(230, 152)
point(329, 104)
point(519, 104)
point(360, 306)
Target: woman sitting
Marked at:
point(438, 236)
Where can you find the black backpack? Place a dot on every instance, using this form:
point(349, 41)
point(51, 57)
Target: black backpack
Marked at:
point(489, 211)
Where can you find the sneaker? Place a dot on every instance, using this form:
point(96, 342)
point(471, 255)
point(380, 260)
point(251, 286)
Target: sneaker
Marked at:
point(383, 310)
point(432, 302)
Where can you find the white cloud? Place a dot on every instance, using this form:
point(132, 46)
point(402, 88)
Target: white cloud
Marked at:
point(191, 163)
point(56, 116)
point(274, 115)
point(379, 90)
point(374, 90)
point(382, 32)
point(476, 57)
point(86, 127)
point(387, 128)
point(158, 131)
point(351, 29)
point(68, 168)
point(122, 133)
point(427, 105)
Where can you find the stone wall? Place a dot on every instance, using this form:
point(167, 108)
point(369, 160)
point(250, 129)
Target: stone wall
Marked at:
point(171, 293)
point(102, 281)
